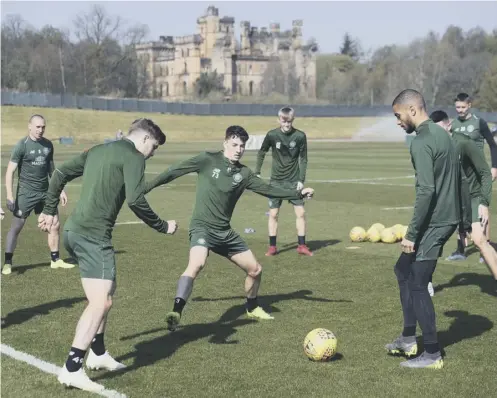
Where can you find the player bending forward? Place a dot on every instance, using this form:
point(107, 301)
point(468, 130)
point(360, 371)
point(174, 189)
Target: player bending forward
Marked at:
point(112, 174)
point(221, 181)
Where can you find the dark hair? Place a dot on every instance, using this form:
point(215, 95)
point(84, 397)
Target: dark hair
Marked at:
point(410, 96)
point(462, 97)
point(35, 116)
point(150, 127)
point(236, 132)
point(439, 116)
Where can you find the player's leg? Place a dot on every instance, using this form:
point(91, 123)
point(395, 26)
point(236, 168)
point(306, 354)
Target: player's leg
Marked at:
point(487, 251)
point(465, 226)
point(406, 343)
point(248, 263)
point(272, 223)
point(53, 244)
point(196, 262)
point(11, 242)
point(300, 222)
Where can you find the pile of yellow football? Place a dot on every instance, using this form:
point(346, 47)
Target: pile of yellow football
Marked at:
point(378, 233)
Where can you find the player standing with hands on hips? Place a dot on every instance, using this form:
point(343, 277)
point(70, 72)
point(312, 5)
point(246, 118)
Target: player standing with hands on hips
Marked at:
point(435, 219)
point(289, 167)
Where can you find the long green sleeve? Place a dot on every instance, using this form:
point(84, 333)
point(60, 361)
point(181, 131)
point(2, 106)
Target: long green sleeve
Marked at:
point(68, 171)
point(303, 159)
point(266, 145)
point(422, 159)
point(482, 170)
point(257, 185)
point(192, 165)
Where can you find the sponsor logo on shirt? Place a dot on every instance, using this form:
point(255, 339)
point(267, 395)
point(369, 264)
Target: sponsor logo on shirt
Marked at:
point(278, 145)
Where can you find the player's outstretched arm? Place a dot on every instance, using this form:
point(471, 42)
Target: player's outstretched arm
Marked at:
point(481, 166)
point(68, 171)
point(192, 165)
point(261, 154)
point(425, 187)
point(255, 184)
point(134, 185)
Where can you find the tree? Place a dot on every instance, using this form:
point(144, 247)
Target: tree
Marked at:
point(487, 100)
point(209, 83)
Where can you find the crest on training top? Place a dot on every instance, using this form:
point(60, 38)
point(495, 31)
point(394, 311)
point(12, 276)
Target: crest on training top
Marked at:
point(292, 144)
point(237, 177)
point(471, 128)
point(46, 151)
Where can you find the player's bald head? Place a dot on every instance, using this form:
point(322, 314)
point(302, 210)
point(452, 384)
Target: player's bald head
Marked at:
point(36, 118)
point(410, 97)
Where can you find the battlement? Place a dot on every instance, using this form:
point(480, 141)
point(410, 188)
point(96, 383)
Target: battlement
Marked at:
point(189, 39)
point(212, 11)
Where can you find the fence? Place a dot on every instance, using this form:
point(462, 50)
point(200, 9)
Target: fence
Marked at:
point(226, 109)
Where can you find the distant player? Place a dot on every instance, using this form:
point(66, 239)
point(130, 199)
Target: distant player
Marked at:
point(478, 178)
point(33, 157)
point(436, 216)
point(221, 181)
point(289, 167)
point(112, 174)
point(477, 129)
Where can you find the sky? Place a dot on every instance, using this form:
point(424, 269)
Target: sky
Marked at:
point(374, 23)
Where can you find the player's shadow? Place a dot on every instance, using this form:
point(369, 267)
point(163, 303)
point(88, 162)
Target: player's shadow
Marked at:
point(18, 317)
point(314, 245)
point(473, 249)
point(267, 302)
point(464, 326)
point(486, 283)
point(149, 352)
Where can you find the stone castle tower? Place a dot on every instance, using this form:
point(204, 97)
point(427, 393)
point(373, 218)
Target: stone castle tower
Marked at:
point(175, 63)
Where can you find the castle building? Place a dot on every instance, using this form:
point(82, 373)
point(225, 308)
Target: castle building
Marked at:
point(174, 64)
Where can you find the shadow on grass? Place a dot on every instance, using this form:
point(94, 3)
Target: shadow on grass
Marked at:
point(25, 314)
point(219, 332)
point(314, 245)
point(486, 283)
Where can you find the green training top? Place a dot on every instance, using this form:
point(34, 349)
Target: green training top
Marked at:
point(34, 163)
point(289, 151)
point(220, 185)
point(112, 173)
point(434, 158)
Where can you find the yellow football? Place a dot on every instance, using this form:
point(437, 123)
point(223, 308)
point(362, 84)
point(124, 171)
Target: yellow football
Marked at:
point(320, 345)
point(373, 235)
point(380, 227)
point(357, 234)
point(398, 228)
point(388, 236)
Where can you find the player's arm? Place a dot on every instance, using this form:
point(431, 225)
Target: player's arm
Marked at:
point(487, 134)
point(422, 157)
point(481, 167)
point(261, 154)
point(303, 160)
point(192, 165)
point(15, 159)
point(257, 185)
point(63, 174)
point(134, 186)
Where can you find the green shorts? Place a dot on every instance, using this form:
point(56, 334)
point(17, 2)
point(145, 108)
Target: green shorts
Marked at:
point(27, 201)
point(432, 242)
point(95, 257)
point(226, 243)
point(275, 203)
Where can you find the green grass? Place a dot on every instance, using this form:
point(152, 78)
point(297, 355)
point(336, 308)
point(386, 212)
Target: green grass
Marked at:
point(93, 126)
point(217, 352)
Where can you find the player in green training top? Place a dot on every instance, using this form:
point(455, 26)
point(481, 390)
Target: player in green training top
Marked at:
point(221, 181)
point(289, 167)
point(477, 129)
point(33, 158)
point(113, 173)
point(476, 174)
point(436, 216)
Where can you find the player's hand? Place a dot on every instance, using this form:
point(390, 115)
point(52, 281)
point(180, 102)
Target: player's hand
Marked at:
point(483, 214)
point(258, 175)
point(10, 204)
point(300, 186)
point(307, 193)
point(494, 173)
point(63, 198)
point(45, 222)
point(172, 226)
point(2, 214)
point(407, 246)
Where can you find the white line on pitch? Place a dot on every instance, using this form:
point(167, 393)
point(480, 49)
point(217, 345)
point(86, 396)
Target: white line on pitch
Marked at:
point(48, 367)
point(398, 208)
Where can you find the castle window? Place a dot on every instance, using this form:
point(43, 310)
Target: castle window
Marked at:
point(185, 88)
point(187, 52)
point(186, 70)
point(167, 89)
point(227, 29)
point(166, 71)
point(160, 91)
point(250, 68)
point(251, 88)
point(240, 91)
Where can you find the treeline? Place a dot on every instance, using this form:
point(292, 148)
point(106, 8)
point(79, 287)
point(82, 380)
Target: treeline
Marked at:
point(97, 57)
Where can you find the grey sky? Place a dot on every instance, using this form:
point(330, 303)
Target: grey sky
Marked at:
point(374, 23)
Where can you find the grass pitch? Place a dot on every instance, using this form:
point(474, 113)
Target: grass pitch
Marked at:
point(218, 352)
point(94, 126)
